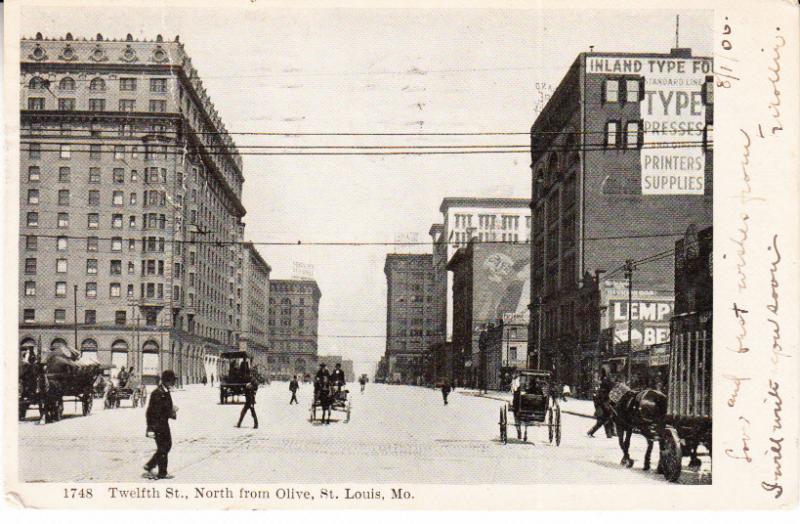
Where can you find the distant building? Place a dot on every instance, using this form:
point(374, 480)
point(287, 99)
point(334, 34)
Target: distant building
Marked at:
point(485, 219)
point(503, 349)
point(622, 163)
point(489, 281)
point(254, 305)
point(130, 205)
point(293, 323)
point(413, 315)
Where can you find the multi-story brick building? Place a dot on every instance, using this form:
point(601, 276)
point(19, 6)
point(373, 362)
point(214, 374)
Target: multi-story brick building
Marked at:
point(503, 349)
point(622, 164)
point(293, 323)
point(413, 314)
point(131, 195)
point(486, 219)
point(489, 281)
point(254, 336)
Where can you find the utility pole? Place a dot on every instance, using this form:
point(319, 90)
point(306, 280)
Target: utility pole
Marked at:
point(75, 313)
point(629, 276)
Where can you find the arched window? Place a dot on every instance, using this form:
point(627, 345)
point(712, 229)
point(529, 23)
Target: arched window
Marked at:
point(119, 345)
point(37, 82)
point(57, 344)
point(89, 348)
point(150, 360)
point(119, 356)
point(67, 84)
point(97, 84)
point(151, 346)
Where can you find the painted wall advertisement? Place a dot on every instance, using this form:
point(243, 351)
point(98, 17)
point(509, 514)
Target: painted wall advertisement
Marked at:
point(673, 114)
point(650, 314)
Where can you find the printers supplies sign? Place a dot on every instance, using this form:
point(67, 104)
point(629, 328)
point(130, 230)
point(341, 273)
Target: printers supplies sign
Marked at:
point(673, 114)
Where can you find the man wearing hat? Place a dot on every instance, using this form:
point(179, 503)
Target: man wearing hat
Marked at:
point(337, 377)
point(159, 411)
point(322, 374)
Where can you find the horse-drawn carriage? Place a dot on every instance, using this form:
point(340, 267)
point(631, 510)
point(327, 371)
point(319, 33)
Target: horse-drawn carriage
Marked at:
point(328, 398)
point(240, 373)
point(535, 403)
point(136, 393)
point(53, 379)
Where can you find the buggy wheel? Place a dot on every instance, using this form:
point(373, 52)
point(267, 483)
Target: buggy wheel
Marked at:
point(348, 412)
point(59, 409)
point(671, 456)
point(221, 396)
point(519, 429)
point(312, 413)
point(558, 426)
point(503, 426)
point(23, 409)
point(550, 425)
point(86, 405)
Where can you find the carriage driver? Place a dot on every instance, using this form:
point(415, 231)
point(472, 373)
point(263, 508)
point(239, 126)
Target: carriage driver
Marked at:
point(322, 374)
point(337, 377)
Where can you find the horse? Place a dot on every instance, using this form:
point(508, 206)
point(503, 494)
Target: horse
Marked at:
point(326, 395)
point(636, 411)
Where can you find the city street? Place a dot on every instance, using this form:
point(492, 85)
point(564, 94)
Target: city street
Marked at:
point(396, 434)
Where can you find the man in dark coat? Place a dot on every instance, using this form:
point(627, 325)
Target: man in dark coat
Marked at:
point(602, 412)
point(250, 391)
point(445, 391)
point(159, 411)
point(337, 377)
point(322, 375)
point(293, 387)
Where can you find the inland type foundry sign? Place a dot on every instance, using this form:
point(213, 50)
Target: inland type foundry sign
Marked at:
point(673, 119)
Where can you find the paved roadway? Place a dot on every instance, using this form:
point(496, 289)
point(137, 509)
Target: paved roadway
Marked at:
point(396, 434)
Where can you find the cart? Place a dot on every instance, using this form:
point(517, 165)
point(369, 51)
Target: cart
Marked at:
point(240, 373)
point(137, 395)
point(688, 418)
point(340, 403)
point(534, 404)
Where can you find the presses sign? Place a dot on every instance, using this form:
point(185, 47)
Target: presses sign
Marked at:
point(673, 114)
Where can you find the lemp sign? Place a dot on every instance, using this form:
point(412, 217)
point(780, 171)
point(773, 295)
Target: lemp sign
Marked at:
point(673, 112)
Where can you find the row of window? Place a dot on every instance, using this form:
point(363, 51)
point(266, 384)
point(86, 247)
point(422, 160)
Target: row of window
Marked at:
point(149, 220)
point(36, 103)
point(67, 83)
point(150, 152)
point(149, 267)
point(149, 244)
point(150, 198)
point(90, 318)
point(633, 135)
point(149, 290)
point(118, 175)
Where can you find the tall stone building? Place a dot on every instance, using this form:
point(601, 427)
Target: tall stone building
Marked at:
point(293, 323)
point(413, 315)
point(622, 164)
point(254, 305)
point(130, 206)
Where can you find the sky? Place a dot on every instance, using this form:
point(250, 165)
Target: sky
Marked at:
point(380, 71)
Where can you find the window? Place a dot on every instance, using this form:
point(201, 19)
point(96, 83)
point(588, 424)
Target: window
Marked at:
point(30, 266)
point(61, 244)
point(633, 135)
point(94, 197)
point(30, 288)
point(97, 84)
point(60, 316)
point(130, 290)
point(29, 315)
point(118, 175)
point(114, 290)
point(64, 151)
point(133, 199)
point(91, 244)
point(34, 151)
point(91, 290)
point(63, 220)
point(63, 174)
point(93, 221)
point(35, 104)
point(66, 104)
point(116, 243)
point(115, 267)
point(94, 175)
point(67, 84)
point(131, 268)
point(33, 196)
point(132, 222)
point(61, 289)
point(97, 104)
point(131, 244)
point(63, 197)
point(118, 198)
point(158, 85)
point(134, 173)
point(119, 152)
point(90, 316)
point(61, 265)
point(612, 90)
point(158, 106)
point(91, 266)
point(34, 174)
point(31, 243)
point(120, 317)
point(612, 134)
point(94, 151)
point(116, 221)
point(633, 90)
point(127, 106)
point(127, 84)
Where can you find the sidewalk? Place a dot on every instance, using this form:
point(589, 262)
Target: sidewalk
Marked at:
point(579, 408)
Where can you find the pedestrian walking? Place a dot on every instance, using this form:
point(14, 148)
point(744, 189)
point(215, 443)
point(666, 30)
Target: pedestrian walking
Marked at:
point(293, 387)
point(212, 380)
point(250, 391)
point(445, 391)
point(205, 380)
point(601, 411)
point(159, 411)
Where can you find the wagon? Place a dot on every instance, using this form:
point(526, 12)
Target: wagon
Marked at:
point(688, 418)
point(340, 403)
point(533, 405)
point(137, 395)
point(232, 384)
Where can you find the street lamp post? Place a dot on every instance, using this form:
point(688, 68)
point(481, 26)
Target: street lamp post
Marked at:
point(629, 276)
point(75, 313)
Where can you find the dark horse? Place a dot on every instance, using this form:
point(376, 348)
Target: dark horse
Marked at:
point(633, 411)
